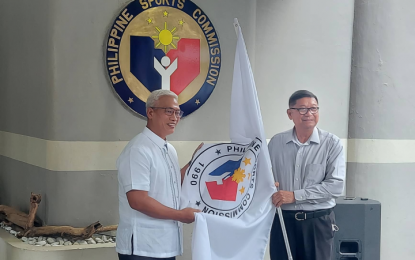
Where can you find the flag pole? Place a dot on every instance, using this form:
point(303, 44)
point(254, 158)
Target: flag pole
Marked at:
point(284, 233)
point(281, 218)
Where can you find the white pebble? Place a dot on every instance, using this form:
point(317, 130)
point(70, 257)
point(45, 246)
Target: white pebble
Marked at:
point(59, 238)
point(65, 240)
point(8, 228)
point(31, 242)
point(55, 244)
point(13, 232)
point(76, 243)
point(92, 242)
point(61, 242)
point(41, 243)
point(51, 240)
point(24, 239)
point(47, 245)
point(68, 243)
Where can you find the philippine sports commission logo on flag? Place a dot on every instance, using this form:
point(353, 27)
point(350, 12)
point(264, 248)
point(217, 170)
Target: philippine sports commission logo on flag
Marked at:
point(221, 180)
point(163, 44)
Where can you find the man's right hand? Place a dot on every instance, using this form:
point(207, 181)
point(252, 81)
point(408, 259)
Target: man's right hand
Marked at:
point(187, 215)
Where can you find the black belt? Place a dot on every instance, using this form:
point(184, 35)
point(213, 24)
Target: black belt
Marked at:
point(304, 215)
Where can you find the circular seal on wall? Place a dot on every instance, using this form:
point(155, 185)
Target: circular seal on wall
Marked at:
point(163, 44)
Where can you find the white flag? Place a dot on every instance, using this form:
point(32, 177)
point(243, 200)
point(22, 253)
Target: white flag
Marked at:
point(232, 183)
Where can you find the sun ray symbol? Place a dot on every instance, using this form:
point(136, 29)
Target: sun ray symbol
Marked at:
point(238, 175)
point(165, 37)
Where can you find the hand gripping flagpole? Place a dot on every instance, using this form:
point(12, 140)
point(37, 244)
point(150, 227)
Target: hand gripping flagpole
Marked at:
point(284, 231)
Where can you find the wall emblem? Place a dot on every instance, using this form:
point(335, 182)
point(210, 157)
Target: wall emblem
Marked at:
point(163, 44)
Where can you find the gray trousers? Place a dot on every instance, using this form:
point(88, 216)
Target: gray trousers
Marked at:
point(311, 239)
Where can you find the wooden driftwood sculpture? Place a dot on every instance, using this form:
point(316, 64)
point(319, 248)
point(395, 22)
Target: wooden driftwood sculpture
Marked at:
point(29, 226)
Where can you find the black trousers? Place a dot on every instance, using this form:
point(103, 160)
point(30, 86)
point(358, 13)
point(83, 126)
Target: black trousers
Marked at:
point(137, 257)
point(311, 239)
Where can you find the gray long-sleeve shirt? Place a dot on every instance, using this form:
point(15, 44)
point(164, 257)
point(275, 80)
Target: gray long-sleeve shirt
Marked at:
point(314, 170)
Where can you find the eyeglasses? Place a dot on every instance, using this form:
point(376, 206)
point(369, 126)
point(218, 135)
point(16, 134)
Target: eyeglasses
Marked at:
point(304, 110)
point(170, 111)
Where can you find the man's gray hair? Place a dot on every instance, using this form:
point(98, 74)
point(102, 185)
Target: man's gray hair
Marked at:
point(156, 94)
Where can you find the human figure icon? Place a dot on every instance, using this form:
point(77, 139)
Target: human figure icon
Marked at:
point(165, 69)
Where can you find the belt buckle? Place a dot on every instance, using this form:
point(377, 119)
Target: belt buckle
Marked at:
point(300, 219)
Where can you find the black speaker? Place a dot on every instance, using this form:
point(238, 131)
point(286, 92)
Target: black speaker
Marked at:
point(358, 236)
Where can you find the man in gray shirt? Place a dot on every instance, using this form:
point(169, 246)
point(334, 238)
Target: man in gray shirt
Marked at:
point(309, 168)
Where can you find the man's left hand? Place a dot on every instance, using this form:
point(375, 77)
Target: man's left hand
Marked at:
point(283, 197)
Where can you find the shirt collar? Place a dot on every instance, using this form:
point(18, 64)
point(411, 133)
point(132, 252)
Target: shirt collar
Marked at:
point(155, 138)
point(292, 137)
